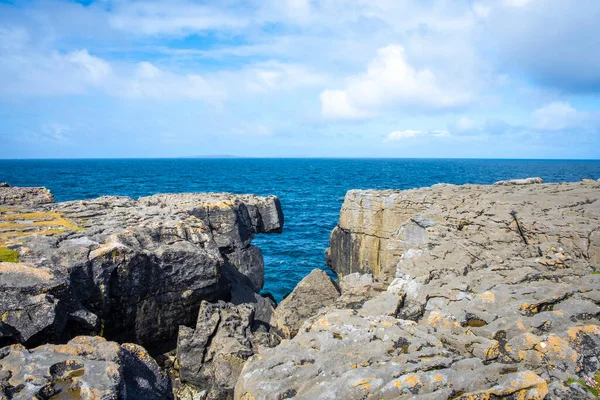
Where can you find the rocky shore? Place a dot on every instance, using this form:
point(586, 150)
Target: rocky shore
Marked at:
point(447, 292)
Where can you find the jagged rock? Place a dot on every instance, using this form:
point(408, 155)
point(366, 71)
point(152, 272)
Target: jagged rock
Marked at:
point(134, 269)
point(85, 368)
point(312, 293)
point(211, 356)
point(525, 181)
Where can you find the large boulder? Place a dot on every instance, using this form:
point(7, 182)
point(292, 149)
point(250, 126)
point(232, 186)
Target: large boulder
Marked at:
point(84, 368)
point(312, 293)
point(131, 270)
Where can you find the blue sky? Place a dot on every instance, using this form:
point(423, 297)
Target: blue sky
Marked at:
point(277, 78)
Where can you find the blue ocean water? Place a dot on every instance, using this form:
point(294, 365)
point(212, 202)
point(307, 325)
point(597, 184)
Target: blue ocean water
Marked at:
point(311, 190)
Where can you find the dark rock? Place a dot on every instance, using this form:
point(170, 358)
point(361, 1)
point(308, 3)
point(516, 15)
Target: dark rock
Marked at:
point(212, 355)
point(133, 270)
point(84, 368)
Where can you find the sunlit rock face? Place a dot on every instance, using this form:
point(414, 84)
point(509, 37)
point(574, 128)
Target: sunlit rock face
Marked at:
point(466, 292)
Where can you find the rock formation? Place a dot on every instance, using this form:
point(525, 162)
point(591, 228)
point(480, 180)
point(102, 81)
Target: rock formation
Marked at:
point(312, 293)
point(132, 270)
point(84, 368)
point(469, 292)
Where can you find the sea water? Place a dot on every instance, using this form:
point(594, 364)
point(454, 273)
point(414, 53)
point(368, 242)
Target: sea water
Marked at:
point(311, 190)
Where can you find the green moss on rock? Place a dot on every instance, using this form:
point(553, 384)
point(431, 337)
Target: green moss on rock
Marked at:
point(8, 255)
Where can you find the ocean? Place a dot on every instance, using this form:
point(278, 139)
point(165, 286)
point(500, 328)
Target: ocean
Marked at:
point(311, 190)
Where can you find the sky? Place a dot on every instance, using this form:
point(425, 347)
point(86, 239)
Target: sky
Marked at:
point(300, 78)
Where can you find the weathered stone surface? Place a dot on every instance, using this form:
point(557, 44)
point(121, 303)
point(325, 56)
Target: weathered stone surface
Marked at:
point(85, 368)
point(24, 195)
point(492, 292)
point(352, 354)
point(389, 233)
point(211, 356)
point(312, 293)
point(133, 270)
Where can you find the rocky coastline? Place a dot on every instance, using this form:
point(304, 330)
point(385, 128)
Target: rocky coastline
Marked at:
point(446, 292)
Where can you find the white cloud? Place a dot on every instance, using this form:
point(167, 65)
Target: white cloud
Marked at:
point(390, 81)
point(556, 116)
point(399, 135)
point(275, 75)
point(517, 3)
point(172, 18)
point(94, 68)
point(463, 125)
point(149, 81)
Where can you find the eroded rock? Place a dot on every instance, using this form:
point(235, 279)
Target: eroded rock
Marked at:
point(133, 270)
point(84, 368)
point(312, 293)
point(492, 292)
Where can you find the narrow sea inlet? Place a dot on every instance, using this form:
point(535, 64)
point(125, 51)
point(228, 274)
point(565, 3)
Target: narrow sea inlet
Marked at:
point(311, 190)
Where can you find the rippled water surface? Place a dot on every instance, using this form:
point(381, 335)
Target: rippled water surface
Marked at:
point(311, 190)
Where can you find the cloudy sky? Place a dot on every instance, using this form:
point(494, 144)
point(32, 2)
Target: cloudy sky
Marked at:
point(276, 78)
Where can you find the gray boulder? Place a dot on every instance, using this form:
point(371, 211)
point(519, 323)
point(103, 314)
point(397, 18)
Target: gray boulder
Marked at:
point(312, 293)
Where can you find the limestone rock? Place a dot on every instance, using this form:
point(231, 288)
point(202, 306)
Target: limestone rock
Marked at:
point(211, 356)
point(84, 368)
point(343, 354)
point(525, 181)
point(312, 293)
point(134, 270)
point(492, 292)
point(10, 195)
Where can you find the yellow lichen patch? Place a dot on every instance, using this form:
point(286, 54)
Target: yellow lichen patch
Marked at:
point(23, 269)
point(324, 323)
point(591, 329)
point(226, 204)
point(438, 377)
point(437, 319)
point(559, 313)
point(554, 346)
point(488, 297)
point(530, 340)
point(365, 364)
point(521, 326)
point(412, 380)
point(364, 384)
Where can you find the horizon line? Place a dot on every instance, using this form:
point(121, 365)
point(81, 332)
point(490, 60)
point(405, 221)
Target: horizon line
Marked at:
point(228, 157)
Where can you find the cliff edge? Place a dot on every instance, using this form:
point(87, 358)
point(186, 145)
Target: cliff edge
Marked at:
point(462, 292)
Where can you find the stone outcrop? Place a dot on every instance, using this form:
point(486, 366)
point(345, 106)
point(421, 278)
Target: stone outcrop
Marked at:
point(87, 368)
point(472, 292)
point(131, 270)
point(211, 356)
point(24, 195)
point(312, 293)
